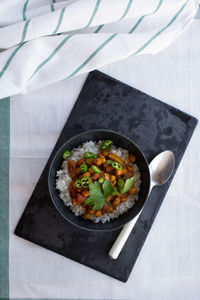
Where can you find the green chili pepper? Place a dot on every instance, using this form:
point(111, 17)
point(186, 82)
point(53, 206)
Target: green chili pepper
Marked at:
point(89, 155)
point(120, 184)
point(116, 165)
point(85, 181)
point(106, 144)
point(78, 183)
point(109, 162)
point(83, 168)
point(95, 169)
point(101, 180)
point(66, 154)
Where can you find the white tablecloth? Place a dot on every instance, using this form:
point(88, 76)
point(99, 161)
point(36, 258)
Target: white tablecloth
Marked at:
point(168, 266)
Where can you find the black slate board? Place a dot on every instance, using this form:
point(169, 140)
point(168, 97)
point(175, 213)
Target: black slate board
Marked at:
point(154, 126)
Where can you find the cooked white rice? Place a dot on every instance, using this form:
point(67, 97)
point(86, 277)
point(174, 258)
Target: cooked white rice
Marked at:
point(64, 179)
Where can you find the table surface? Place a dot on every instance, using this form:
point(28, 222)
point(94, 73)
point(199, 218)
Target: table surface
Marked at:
point(168, 265)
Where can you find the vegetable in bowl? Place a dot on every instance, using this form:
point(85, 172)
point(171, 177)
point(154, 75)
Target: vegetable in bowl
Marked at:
point(98, 180)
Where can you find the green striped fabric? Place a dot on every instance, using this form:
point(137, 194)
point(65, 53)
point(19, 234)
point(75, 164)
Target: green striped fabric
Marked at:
point(93, 13)
point(122, 17)
point(160, 31)
point(52, 6)
point(126, 10)
point(93, 54)
point(24, 10)
point(59, 20)
point(51, 55)
point(136, 52)
point(24, 31)
point(10, 59)
point(142, 17)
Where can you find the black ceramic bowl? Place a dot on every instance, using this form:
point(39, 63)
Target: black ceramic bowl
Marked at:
point(118, 140)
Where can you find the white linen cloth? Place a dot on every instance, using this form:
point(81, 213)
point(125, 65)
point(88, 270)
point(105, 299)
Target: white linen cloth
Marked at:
point(168, 265)
point(45, 42)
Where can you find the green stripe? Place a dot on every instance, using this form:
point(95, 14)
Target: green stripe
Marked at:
point(123, 16)
point(142, 17)
point(92, 55)
point(51, 55)
point(24, 10)
point(98, 29)
point(4, 199)
point(60, 20)
point(24, 31)
point(10, 59)
point(126, 10)
point(94, 13)
point(52, 6)
point(160, 31)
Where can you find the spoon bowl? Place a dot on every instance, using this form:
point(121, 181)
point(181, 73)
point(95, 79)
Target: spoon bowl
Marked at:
point(161, 167)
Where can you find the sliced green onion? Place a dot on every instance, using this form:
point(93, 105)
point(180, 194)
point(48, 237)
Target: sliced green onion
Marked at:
point(85, 181)
point(109, 162)
point(83, 168)
point(78, 183)
point(106, 144)
point(89, 155)
point(66, 154)
point(95, 169)
point(101, 180)
point(116, 165)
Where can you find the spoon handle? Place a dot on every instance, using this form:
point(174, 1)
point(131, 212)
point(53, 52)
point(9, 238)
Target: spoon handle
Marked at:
point(122, 238)
point(124, 234)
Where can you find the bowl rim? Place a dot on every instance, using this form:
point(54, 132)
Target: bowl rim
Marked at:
point(52, 163)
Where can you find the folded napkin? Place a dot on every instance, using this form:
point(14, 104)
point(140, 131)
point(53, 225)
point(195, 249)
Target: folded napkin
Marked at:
point(45, 41)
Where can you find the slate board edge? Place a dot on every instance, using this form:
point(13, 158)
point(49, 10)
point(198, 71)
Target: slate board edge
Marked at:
point(194, 120)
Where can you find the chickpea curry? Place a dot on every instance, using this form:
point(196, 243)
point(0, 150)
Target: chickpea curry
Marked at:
point(100, 182)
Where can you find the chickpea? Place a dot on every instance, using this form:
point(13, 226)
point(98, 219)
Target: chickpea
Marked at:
point(132, 191)
point(102, 157)
point(113, 179)
point(95, 176)
point(87, 216)
point(89, 161)
point(107, 177)
point(91, 211)
point(98, 213)
point(90, 170)
point(110, 209)
point(123, 199)
point(116, 201)
point(105, 152)
point(85, 193)
point(74, 201)
point(132, 158)
point(119, 172)
point(87, 174)
point(99, 161)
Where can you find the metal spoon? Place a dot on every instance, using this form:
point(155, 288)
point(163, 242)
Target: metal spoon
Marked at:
point(161, 168)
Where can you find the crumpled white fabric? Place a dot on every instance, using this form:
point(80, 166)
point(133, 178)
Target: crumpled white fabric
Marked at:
point(45, 41)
